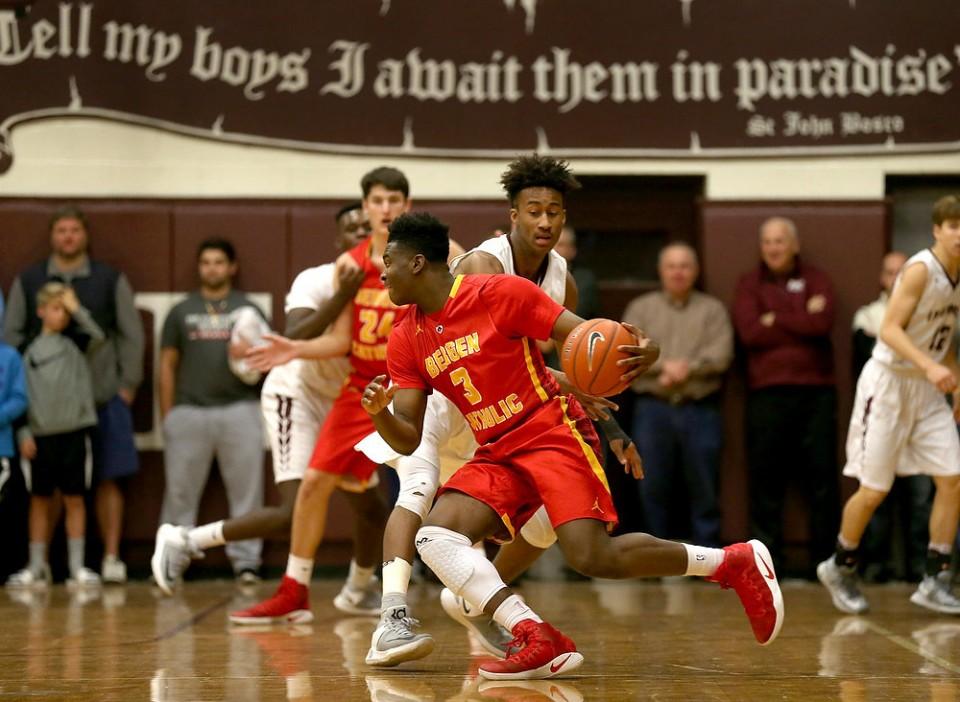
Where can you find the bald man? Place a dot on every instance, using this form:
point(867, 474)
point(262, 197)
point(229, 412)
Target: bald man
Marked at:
point(783, 313)
point(676, 421)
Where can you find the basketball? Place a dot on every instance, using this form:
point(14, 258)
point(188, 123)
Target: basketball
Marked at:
point(589, 357)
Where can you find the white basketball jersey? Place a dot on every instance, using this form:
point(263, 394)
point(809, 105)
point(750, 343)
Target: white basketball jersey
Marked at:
point(934, 320)
point(554, 282)
point(310, 290)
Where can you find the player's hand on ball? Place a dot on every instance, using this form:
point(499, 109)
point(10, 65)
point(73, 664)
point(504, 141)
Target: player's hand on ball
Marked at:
point(376, 396)
point(276, 351)
point(629, 457)
point(642, 355)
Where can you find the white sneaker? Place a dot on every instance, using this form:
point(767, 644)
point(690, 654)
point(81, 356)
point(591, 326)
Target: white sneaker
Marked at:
point(493, 637)
point(113, 570)
point(172, 553)
point(364, 603)
point(84, 578)
point(394, 641)
point(841, 583)
point(934, 593)
point(28, 579)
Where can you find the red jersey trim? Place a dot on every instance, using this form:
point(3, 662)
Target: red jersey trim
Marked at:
point(587, 451)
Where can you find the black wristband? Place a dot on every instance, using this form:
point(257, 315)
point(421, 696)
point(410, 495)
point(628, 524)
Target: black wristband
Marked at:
point(611, 429)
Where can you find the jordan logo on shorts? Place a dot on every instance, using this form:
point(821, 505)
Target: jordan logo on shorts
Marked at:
point(596, 506)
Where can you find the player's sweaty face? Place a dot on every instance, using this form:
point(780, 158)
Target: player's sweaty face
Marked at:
point(396, 274)
point(948, 234)
point(538, 218)
point(383, 206)
point(354, 227)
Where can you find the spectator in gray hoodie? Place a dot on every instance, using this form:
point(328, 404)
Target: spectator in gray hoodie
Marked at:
point(55, 443)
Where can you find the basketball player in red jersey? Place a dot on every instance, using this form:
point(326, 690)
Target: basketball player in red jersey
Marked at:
point(469, 337)
point(361, 332)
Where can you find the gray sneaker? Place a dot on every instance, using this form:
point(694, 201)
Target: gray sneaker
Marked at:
point(364, 603)
point(493, 637)
point(934, 593)
point(394, 641)
point(172, 553)
point(841, 582)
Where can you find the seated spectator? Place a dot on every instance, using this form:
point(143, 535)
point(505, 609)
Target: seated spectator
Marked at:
point(55, 444)
point(676, 420)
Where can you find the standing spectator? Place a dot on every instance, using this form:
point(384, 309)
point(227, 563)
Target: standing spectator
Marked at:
point(588, 301)
point(116, 366)
point(55, 444)
point(207, 410)
point(676, 420)
point(13, 403)
point(911, 494)
point(783, 312)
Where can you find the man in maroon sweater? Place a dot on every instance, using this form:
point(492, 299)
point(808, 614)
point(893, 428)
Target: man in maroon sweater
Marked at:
point(783, 313)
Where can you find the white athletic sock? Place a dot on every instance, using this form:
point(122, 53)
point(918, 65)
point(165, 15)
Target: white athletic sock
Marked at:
point(38, 556)
point(207, 535)
point(944, 549)
point(359, 577)
point(703, 561)
point(300, 569)
point(847, 545)
point(75, 551)
point(513, 610)
point(396, 576)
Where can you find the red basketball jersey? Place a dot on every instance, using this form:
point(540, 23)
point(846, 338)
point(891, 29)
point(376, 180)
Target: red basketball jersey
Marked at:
point(373, 317)
point(478, 351)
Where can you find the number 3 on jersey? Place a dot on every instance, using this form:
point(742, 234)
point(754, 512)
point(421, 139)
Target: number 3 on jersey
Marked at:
point(374, 325)
point(460, 376)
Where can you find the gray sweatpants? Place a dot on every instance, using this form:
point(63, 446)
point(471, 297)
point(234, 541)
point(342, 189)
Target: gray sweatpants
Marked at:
point(192, 436)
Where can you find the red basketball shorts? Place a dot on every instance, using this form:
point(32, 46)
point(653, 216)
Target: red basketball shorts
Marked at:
point(552, 459)
point(345, 425)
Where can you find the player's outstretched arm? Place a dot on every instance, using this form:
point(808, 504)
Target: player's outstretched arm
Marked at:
point(279, 349)
point(306, 323)
point(403, 427)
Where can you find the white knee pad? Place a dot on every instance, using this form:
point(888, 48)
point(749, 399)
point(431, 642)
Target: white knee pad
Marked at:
point(462, 568)
point(538, 531)
point(418, 485)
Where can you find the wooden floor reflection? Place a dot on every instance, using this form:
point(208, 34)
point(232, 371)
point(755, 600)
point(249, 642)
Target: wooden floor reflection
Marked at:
point(650, 641)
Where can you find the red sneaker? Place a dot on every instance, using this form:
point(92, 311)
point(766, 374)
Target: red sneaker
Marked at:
point(290, 604)
point(748, 569)
point(537, 651)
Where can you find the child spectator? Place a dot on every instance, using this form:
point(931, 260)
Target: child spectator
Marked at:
point(55, 444)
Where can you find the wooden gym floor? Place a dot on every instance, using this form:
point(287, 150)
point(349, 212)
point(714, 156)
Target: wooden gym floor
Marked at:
point(642, 641)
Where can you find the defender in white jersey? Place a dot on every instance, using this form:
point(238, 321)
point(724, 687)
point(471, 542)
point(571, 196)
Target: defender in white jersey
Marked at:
point(295, 400)
point(901, 423)
point(447, 442)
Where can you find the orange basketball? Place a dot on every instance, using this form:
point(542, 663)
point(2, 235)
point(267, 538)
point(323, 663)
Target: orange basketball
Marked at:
point(589, 356)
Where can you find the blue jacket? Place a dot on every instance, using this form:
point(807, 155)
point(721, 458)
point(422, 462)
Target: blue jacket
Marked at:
point(13, 396)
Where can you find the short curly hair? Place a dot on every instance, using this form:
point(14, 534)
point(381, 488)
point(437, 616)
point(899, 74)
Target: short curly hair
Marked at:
point(536, 171)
